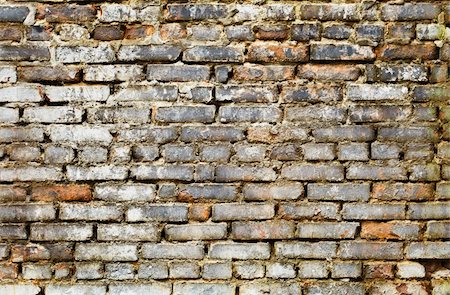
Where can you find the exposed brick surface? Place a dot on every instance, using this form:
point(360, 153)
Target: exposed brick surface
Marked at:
point(224, 147)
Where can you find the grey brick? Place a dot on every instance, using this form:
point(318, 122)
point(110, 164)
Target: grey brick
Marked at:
point(324, 250)
point(249, 114)
point(440, 210)
point(316, 93)
point(173, 251)
point(184, 270)
point(428, 250)
point(279, 270)
point(155, 270)
point(155, 172)
point(61, 232)
point(313, 172)
point(77, 93)
point(239, 251)
point(338, 192)
point(178, 73)
point(235, 173)
point(204, 289)
point(146, 93)
point(373, 211)
point(125, 192)
point(83, 54)
point(214, 54)
point(109, 115)
point(181, 114)
point(20, 134)
point(225, 212)
point(266, 230)
point(52, 115)
point(375, 172)
point(100, 172)
point(106, 252)
point(128, 232)
point(327, 230)
point(263, 192)
point(270, 288)
point(209, 192)
point(30, 173)
point(190, 12)
point(20, 289)
point(376, 92)
point(371, 250)
point(107, 73)
point(211, 133)
point(309, 210)
point(313, 269)
point(344, 52)
point(213, 231)
point(90, 212)
point(27, 212)
point(24, 53)
point(166, 212)
point(409, 11)
point(335, 288)
point(152, 134)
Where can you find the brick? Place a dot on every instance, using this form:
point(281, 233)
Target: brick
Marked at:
point(438, 210)
point(327, 230)
point(8, 74)
point(12, 232)
point(408, 134)
point(428, 172)
point(180, 114)
point(253, 72)
point(190, 12)
point(178, 73)
point(203, 288)
point(393, 288)
point(409, 11)
point(173, 251)
point(9, 271)
point(77, 93)
point(345, 133)
point(338, 192)
point(61, 193)
point(249, 270)
point(178, 153)
point(147, 93)
point(89, 212)
point(389, 230)
point(344, 52)
point(271, 32)
point(108, 33)
point(305, 250)
point(430, 93)
point(271, 287)
point(103, 73)
point(20, 94)
point(125, 192)
point(153, 270)
point(266, 192)
point(145, 289)
point(125, 13)
point(128, 232)
point(409, 269)
point(82, 54)
point(20, 289)
point(207, 192)
point(27, 212)
point(311, 94)
point(400, 191)
point(328, 72)
point(16, 14)
point(69, 13)
point(438, 230)
point(211, 133)
point(379, 113)
point(280, 12)
point(428, 250)
point(227, 173)
point(213, 54)
point(152, 134)
point(52, 115)
point(47, 73)
point(393, 73)
point(376, 92)
point(268, 230)
point(326, 114)
point(363, 211)
point(168, 213)
point(239, 251)
point(318, 151)
point(118, 115)
point(443, 190)
point(337, 31)
point(37, 252)
point(184, 270)
point(335, 288)
point(61, 232)
point(250, 93)
point(225, 212)
point(89, 270)
point(248, 114)
point(316, 211)
point(313, 269)
point(246, 12)
point(240, 33)
point(408, 52)
point(106, 252)
point(353, 152)
point(346, 269)
point(30, 173)
point(215, 231)
point(281, 271)
point(219, 270)
point(313, 172)
point(20, 134)
point(173, 172)
point(371, 250)
point(13, 33)
point(375, 172)
point(100, 172)
point(330, 12)
point(260, 52)
point(24, 53)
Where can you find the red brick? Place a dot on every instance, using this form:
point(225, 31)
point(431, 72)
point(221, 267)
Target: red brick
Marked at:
point(62, 193)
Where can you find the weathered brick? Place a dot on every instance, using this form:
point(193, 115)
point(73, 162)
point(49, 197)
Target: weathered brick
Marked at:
point(116, 12)
point(344, 133)
point(90, 212)
point(327, 12)
point(30, 173)
point(108, 33)
point(408, 52)
point(311, 94)
point(77, 93)
point(440, 210)
point(409, 11)
point(438, 230)
point(47, 73)
point(305, 249)
point(376, 92)
point(189, 12)
point(310, 114)
point(344, 51)
point(363, 211)
point(210, 192)
point(317, 211)
point(214, 54)
point(103, 73)
point(335, 288)
point(179, 114)
point(371, 250)
point(12, 232)
point(408, 134)
point(271, 287)
point(249, 114)
point(379, 113)
point(147, 93)
point(263, 192)
point(239, 251)
point(376, 172)
point(173, 172)
point(99, 172)
point(214, 231)
point(68, 13)
point(20, 134)
point(169, 212)
point(428, 250)
point(106, 252)
point(433, 93)
point(268, 230)
point(232, 211)
point(250, 93)
point(20, 94)
point(173, 251)
point(346, 269)
point(327, 230)
point(253, 72)
point(313, 172)
point(240, 33)
point(328, 72)
point(82, 54)
point(61, 232)
point(389, 230)
point(178, 73)
point(338, 192)
point(128, 232)
point(260, 52)
point(235, 173)
point(152, 288)
point(211, 133)
point(52, 115)
point(24, 53)
point(27, 212)
point(20, 289)
point(402, 191)
point(71, 192)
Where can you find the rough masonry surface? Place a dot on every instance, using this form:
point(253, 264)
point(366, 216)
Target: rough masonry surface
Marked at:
point(220, 148)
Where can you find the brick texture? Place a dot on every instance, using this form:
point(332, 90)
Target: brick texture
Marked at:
point(224, 147)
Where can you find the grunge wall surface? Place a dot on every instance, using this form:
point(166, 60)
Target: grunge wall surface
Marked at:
point(265, 147)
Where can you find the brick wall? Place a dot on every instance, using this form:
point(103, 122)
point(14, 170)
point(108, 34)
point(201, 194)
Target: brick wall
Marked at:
point(262, 147)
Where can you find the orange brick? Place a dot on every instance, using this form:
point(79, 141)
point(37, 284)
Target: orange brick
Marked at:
point(62, 193)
